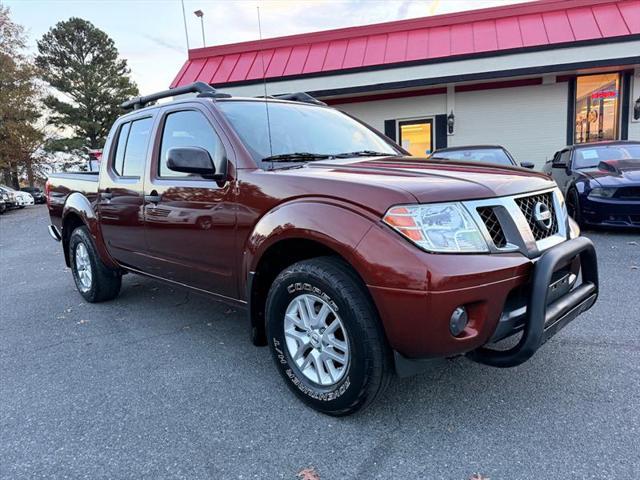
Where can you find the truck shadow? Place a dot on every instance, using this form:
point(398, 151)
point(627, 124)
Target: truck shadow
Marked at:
point(458, 390)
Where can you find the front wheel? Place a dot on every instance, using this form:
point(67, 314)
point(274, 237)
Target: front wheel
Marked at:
point(325, 336)
point(95, 281)
point(573, 207)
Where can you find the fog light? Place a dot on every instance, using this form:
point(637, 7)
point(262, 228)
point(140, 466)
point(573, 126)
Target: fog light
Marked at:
point(459, 321)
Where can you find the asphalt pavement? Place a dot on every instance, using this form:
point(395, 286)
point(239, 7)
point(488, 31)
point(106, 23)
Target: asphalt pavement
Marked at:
point(164, 383)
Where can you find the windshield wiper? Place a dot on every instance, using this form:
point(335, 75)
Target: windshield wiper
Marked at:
point(296, 157)
point(364, 153)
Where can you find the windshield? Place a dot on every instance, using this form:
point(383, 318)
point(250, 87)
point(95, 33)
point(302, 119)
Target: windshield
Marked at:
point(486, 155)
point(590, 157)
point(299, 128)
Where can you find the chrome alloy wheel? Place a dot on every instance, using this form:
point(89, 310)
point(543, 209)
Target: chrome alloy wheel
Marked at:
point(316, 339)
point(83, 267)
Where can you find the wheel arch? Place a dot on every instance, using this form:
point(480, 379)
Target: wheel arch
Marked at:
point(276, 258)
point(77, 212)
point(292, 233)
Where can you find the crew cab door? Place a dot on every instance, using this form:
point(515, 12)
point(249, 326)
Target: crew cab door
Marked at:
point(120, 192)
point(190, 220)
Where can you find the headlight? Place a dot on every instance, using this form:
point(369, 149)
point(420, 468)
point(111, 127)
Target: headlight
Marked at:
point(602, 192)
point(437, 227)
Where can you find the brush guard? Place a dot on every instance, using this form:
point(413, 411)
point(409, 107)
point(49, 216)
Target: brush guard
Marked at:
point(545, 320)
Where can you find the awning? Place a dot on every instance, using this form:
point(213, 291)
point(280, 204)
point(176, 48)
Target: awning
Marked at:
point(538, 25)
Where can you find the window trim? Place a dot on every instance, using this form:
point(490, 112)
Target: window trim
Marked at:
point(163, 121)
point(116, 142)
point(418, 121)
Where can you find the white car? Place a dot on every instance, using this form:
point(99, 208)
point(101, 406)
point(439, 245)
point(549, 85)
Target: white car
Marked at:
point(22, 198)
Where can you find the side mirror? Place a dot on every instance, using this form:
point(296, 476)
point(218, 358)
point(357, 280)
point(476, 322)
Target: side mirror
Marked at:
point(192, 160)
point(527, 165)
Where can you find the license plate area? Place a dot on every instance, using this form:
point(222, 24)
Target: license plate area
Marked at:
point(560, 286)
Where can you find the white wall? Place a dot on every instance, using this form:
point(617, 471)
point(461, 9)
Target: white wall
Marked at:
point(375, 113)
point(531, 122)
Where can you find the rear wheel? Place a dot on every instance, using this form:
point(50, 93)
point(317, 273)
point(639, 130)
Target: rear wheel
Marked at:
point(326, 337)
point(94, 280)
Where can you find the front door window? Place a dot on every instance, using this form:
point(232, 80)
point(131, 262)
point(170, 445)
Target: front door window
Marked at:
point(416, 136)
point(597, 107)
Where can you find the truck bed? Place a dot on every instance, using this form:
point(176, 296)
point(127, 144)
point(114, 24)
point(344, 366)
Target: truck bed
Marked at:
point(61, 185)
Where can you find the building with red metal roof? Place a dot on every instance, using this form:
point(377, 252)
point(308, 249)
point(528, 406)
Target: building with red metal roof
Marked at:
point(530, 76)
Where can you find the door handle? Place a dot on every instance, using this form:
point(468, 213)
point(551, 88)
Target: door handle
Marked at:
point(153, 197)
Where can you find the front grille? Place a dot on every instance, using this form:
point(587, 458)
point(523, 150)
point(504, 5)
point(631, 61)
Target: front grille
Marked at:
point(628, 193)
point(158, 212)
point(490, 220)
point(527, 206)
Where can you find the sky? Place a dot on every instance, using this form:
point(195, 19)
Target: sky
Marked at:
point(150, 34)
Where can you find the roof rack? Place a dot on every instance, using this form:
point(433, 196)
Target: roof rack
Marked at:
point(298, 97)
point(203, 90)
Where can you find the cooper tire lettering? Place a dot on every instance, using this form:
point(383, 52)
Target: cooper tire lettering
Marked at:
point(366, 370)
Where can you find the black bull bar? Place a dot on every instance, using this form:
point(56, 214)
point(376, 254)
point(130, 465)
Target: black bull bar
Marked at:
point(545, 320)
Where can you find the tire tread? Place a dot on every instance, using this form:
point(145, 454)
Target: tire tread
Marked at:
point(342, 277)
point(107, 281)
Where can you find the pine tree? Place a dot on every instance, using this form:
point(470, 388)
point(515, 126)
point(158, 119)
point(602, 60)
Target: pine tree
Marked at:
point(81, 62)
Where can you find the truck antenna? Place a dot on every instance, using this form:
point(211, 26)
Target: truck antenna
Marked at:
point(264, 83)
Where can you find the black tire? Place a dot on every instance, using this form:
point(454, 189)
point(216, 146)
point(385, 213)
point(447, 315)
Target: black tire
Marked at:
point(573, 207)
point(105, 281)
point(369, 367)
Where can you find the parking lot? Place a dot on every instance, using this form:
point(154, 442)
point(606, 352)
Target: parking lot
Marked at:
point(162, 383)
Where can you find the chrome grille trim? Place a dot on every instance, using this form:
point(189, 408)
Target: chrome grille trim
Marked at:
point(493, 226)
point(527, 205)
point(515, 227)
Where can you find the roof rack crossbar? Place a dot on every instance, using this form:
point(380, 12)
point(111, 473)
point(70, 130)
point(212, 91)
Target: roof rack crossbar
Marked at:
point(202, 88)
point(298, 97)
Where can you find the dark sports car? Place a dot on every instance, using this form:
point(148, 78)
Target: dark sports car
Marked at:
point(480, 153)
point(600, 182)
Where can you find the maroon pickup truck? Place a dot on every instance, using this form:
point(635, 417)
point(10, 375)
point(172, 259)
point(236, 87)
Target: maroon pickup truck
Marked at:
point(351, 258)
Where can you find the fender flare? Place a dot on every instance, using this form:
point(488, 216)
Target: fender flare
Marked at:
point(80, 205)
point(304, 219)
point(578, 185)
point(308, 219)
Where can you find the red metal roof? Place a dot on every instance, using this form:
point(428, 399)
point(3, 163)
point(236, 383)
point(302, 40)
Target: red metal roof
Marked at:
point(542, 23)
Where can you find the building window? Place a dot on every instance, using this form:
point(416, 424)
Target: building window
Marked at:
point(416, 136)
point(597, 107)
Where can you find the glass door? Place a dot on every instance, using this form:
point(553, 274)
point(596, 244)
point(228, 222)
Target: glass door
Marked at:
point(597, 107)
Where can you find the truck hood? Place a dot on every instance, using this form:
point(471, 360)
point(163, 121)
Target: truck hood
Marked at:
point(615, 173)
point(430, 180)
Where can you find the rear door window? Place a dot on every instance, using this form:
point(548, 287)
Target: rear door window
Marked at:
point(131, 150)
point(118, 161)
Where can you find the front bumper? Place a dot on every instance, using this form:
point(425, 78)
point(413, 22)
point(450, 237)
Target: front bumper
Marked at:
point(545, 318)
point(611, 212)
point(416, 322)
